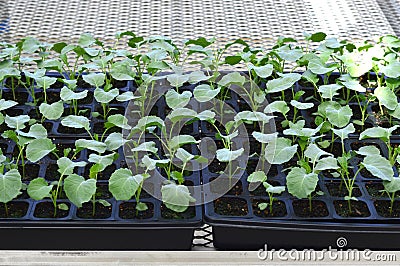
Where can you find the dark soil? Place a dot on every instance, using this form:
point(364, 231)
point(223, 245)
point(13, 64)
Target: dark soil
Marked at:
point(127, 210)
point(170, 214)
point(4, 148)
point(83, 84)
point(278, 96)
point(52, 173)
point(383, 208)
point(339, 190)
point(103, 175)
point(231, 206)
point(99, 128)
point(52, 97)
point(101, 211)
point(60, 151)
point(375, 190)
point(278, 209)
point(224, 183)
point(102, 192)
point(14, 112)
point(216, 166)
point(302, 208)
point(113, 110)
point(69, 130)
point(252, 165)
point(20, 97)
point(15, 209)
point(31, 171)
point(358, 208)
point(46, 210)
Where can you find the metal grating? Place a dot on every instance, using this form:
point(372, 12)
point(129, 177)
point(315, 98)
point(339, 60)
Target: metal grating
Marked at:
point(258, 21)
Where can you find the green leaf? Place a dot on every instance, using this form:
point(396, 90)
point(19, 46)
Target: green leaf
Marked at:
point(52, 111)
point(314, 153)
point(68, 95)
point(141, 206)
point(175, 100)
point(45, 82)
point(287, 54)
point(79, 190)
point(277, 106)
point(75, 121)
point(393, 185)
point(327, 163)
point(103, 96)
point(38, 149)
point(66, 166)
point(280, 150)
point(39, 189)
point(318, 67)
point(386, 97)
point(177, 80)
point(264, 138)
point(30, 45)
point(262, 71)
point(63, 206)
point(123, 185)
point(17, 122)
point(298, 129)
point(93, 145)
point(176, 197)
point(197, 76)
point(339, 117)
point(10, 185)
point(300, 184)
point(354, 85)
point(395, 113)
point(284, 82)
point(151, 164)
point(378, 132)
point(378, 166)
point(36, 131)
point(178, 141)
point(232, 78)
point(392, 70)
point(6, 104)
point(262, 206)
point(122, 71)
point(252, 116)
point(183, 155)
point(148, 121)
point(205, 93)
point(102, 161)
point(317, 37)
point(369, 151)
point(114, 141)
point(95, 79)
point(178, 114)
point(258, 176)
point(118, 120)
point(126, 96)
point(226, 155)
point(329, 91)
point(300, 105)
point(86, 40)
point(273, 190)
point(343, 133)
point(149, 146)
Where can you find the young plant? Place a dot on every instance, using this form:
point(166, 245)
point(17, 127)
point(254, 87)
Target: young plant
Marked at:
point(260, 176)
point(302, 181)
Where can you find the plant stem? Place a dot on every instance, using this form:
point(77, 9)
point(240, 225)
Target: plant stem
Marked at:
point(6, 209)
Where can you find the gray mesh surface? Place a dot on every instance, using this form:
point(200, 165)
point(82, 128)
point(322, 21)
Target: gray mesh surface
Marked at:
point(258, 21)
